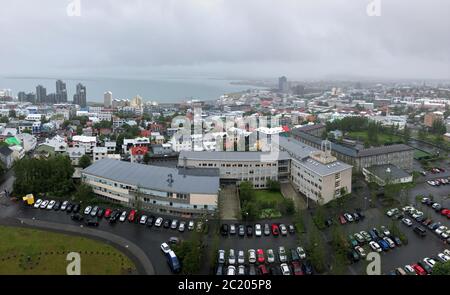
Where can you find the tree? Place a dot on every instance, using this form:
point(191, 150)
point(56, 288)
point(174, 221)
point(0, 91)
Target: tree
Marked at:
point(84, 193)
point(246, 191)
point(249, 210)
point(406, 134)
point(146, 158)
point(84, 161)
point(316, 250)
point(441, 269)
point(190, 253)
point(438, 127)
point(273, 185)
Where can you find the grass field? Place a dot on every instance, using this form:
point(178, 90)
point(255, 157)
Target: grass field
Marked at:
point(29, 252)
point(382, 138)
point(268, 201)
point(418, 154)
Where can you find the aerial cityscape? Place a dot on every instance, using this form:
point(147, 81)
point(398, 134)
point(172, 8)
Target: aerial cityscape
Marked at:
point(286, 157)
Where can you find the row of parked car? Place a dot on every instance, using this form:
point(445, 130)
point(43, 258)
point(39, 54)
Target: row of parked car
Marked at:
point(94, 213)
point(423, 267)
point(438, 208)
point(258, 229)
point(260, 262)
point(378, 240)
point(442, 231)
point(351, 217)
point(439, 181)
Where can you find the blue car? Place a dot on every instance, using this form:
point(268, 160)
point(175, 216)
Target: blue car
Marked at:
point(383, 244)
point(373, 235)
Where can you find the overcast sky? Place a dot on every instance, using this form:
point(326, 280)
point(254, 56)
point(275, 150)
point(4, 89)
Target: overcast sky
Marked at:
point(226, 38)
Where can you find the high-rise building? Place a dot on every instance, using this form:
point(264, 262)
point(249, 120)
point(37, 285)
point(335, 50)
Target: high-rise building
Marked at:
point(107, 99)
point(283, 85)
point(41, 94)
point(22, 96)
point(61, 91)
point(136, 102)
point(79, 97)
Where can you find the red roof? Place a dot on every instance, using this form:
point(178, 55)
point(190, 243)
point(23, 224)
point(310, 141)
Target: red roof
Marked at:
point(139, 150)
point(285, 129)
point(145, 133)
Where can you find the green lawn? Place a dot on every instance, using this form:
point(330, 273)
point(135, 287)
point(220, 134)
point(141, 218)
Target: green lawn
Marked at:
point(268, 202)
point(382, 138)
point(419, 154)
point(29, 252)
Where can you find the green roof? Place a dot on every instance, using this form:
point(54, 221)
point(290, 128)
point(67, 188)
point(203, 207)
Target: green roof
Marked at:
point(12, 141)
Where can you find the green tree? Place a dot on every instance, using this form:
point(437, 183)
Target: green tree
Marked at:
point(273, 185)
point(190, 253)
point(441, 269)
point(249, 210)
point(84, 161)
point(438, 127)
point(316, 250)
point(246, 191)
point(406, 134)
point(84, 193)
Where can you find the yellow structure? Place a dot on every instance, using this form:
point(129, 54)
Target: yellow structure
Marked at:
point(29, 199)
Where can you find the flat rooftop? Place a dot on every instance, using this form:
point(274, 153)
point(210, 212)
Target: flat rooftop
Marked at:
point(234, 156)
point(191, 180)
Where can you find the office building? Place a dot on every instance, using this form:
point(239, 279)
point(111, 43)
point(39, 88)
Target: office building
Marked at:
point(107, 99)
point(79, 97)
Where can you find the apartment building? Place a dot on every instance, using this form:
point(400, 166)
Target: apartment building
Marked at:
point(99, 153)
point(88, 142)
point(234, 167)
point(182, 192)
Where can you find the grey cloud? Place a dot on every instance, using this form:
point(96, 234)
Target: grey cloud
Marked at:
point(252, 38)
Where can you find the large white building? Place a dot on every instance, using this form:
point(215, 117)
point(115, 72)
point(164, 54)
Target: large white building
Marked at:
point(107, 99)
point(182, 192)
point(88, 142)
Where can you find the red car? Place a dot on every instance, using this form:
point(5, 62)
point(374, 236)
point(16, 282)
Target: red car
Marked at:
point(342, 219)
point(275, 229)
point(445, 212)
point(260, 255)
point(263, 269)
point(297, 268)
point(448, 215)
point(108, 213)
point(132, 215)
point(419, 270)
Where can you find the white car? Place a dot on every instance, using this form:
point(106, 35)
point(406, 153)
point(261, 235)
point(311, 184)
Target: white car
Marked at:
point(445, 235)
point(191, 225)
point(447, 252)
point(282, 254)
point(385, 231)
point(349, 217)
point(143, 219)
point(391, 212)
point(374, 245)
point(221, 258)
point(231, 257)
point(435, 205)
point(251, 256)
point(165, 248)
point(443, 257)
point(285, 269)
point(430, 182)
point(64, 205)
point(44, 204)
point(241, 270)
point(270, 256)
point(38, 203)
point(258, 230)
point(87, 210)
point(407, 208)
point(51, 204)
point(429, 261)
point(182, 226)
point(390, 242)
point(231, 270)
point(283, 229)
point(360, 251)
point(417, 214)
point(440, 229)
point(241, 257)
point(123, 216)
point(158, 221)
point(410, 269)
point(407, 221)
point(301, 253)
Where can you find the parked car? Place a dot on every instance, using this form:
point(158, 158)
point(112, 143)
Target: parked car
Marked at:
point(443, 257)
point(182, 226)
point(224, 229)
point(385, 231)
point(231, 257)
point(291, 228)
point(301, 253)
point(307, 268)
point(342, 219)
point(76, 208)
point(44, 204)
point(397, 241)
point(251, 270)
point(108, 212)
point(57, 206)
point(389, 242)
point(260, 256)
point(283, 229)
point(143, 219)
point(360, 251)
point(429, 261)
point(92, 222)
point(51, 204)
point(365, 235)
point(266, 229)
point(191, 225)
point(63, 205)
point(407, 221)
point(251, 256)
point(123, 216)
point(263, 269)
point(282, 254)
point(100, 212)
point(348, 217)
point(241, 257)
point(241, 270)
point(375, 246)
point(249, 230)
point(275, 230)
point(69, 208)
point(359, 238)
point(94, 211)
point(296, 268)
point(258, 230)
point(420, 231)
point(294, 255)
point(87, 210)
point(167, 223)
point(219, 270)
point(132, 216)
point(221, 256)
point(285, 269)
point(150, 221)
point(419, 270)
point(232, 229)
point(231, 270)
point(270, 256)
point(158, 222)
point(241, 230)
